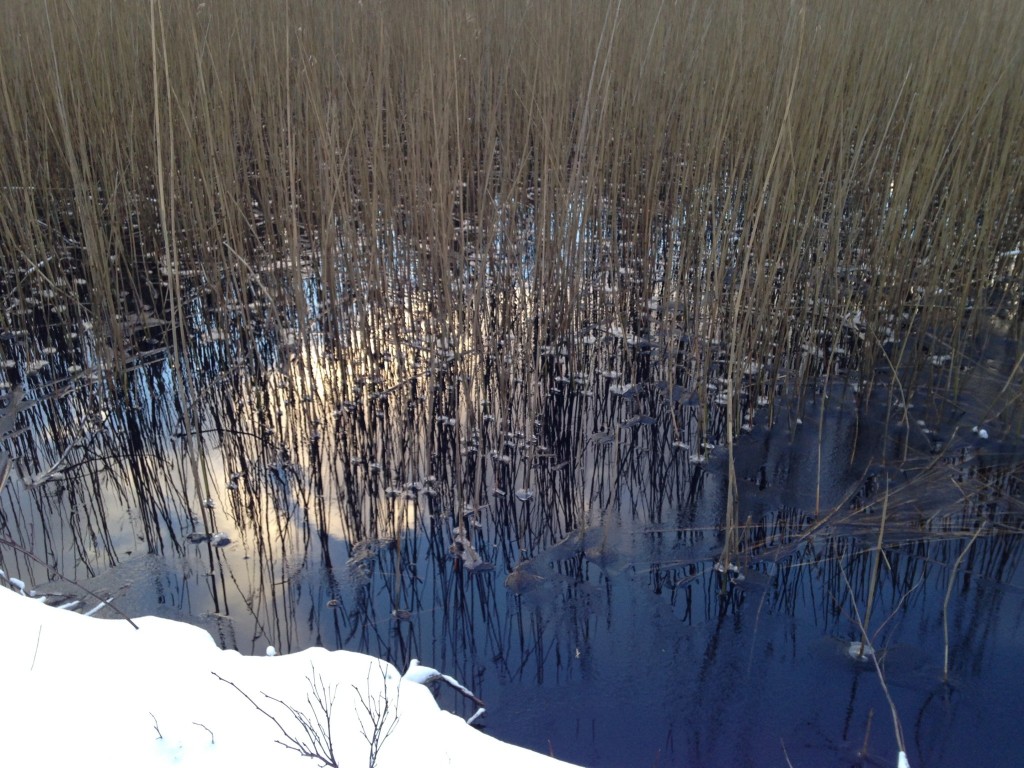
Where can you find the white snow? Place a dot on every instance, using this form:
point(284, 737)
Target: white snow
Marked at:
point(88, 691)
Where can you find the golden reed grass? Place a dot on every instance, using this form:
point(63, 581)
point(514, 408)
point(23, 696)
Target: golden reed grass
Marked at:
point(792, 185)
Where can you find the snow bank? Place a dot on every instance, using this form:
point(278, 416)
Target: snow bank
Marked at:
point(86, 691)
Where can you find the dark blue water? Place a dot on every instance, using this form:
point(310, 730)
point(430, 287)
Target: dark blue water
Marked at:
point(583, 603)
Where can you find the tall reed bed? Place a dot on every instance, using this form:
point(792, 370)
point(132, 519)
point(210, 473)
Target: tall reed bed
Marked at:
point(772, 190)
point(448, 261)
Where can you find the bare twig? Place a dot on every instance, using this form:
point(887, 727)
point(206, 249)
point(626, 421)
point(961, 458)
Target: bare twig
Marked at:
point(205, 729)
point(35, 655)
point(382, 712)
point(317, 742)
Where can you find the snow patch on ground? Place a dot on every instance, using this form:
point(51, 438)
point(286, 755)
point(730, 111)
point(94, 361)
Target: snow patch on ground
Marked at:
point(87, 691)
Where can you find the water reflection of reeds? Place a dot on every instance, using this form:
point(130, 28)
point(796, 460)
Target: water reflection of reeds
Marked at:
point(453, 357)
point(348, 477)
point(353, 483)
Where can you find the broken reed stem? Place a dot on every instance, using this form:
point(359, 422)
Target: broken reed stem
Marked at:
point(876, 565)
point(862, 625)
point(867, 733)
point(949, 593)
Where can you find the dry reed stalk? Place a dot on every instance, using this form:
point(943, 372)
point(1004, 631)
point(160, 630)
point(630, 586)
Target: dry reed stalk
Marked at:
point(659, 153)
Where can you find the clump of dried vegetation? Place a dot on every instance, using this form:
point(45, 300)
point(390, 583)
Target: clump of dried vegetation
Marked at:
point(789, 188)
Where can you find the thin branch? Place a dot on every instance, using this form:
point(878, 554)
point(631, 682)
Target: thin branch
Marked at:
point(205, 729)
point(51, 569)
point(319, 744)
point(382, 718)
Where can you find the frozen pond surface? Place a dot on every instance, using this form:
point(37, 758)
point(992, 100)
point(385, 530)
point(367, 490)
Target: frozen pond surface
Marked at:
point(549, 533)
